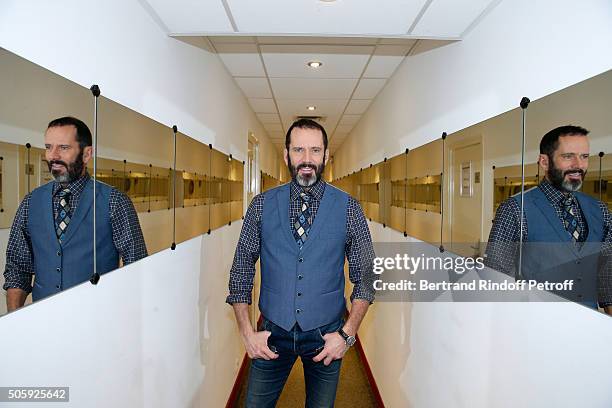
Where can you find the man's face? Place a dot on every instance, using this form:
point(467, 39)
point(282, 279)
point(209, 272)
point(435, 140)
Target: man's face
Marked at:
point(64, 156)
point(569, 164)
point(306, 157)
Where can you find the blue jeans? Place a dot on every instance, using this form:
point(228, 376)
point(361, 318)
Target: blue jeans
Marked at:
point(267, 377)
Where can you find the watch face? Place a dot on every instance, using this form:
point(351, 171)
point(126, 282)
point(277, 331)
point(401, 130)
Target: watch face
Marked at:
point(350, 341)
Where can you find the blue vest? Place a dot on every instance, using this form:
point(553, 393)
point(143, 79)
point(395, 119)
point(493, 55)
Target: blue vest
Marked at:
point(303, 285)
point(550, 254)
point(58, 266)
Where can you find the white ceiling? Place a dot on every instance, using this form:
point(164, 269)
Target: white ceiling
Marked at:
point(266, 45)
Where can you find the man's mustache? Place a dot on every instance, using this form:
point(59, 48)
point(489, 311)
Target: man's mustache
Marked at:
point(306, 166)
point(52, 162)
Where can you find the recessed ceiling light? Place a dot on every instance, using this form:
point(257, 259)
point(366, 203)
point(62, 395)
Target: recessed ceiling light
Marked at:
point(311, 108)
point(327, 1)
point(314, 64)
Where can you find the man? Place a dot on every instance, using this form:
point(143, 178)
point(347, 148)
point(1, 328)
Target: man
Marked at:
point(565, 232)
point(52, 234)
point(302, 231)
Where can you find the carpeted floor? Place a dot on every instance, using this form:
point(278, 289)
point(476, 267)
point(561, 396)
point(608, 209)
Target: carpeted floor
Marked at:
point(353, 389)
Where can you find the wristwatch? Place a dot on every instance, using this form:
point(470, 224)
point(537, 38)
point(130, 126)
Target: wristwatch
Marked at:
point(350, 340)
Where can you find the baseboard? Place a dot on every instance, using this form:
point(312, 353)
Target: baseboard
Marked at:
point(240, 378)
point(368, 370)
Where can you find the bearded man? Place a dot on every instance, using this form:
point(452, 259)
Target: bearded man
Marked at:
point(566, 234)
point(302, 231)
point(52, 234)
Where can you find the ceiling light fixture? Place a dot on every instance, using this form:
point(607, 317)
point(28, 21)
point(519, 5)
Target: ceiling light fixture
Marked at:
point(311, 108)
point(314, 64)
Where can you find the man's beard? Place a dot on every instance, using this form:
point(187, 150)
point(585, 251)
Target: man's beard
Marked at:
point(557, 178)
point(309, 180)
point(73, 170)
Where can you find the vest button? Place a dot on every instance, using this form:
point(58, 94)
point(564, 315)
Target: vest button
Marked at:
point(57, 286)
point(578, 262)
point(59, 253)
point(579, 296)
point(300, 277)
point(299, 294)
point(58, 269)
point(301, 260)
point(298, 311)
point(578, 279)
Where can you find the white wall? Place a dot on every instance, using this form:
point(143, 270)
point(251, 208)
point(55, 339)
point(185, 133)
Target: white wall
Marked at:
point(152, 334)
point(522, 48)
point(487, 354)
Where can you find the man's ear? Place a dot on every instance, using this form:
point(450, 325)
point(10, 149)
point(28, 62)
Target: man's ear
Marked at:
point(326, 156)
point(87, 154)
point(286, 157)
point(544, 162)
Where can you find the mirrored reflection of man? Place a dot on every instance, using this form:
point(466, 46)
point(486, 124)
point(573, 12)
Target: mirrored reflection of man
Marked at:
point(567, 234)
point(302, 231)
point(52, 234)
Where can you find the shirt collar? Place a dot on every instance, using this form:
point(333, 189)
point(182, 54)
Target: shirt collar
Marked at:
point(553, 194)
point(316, 190)
point(75, 187)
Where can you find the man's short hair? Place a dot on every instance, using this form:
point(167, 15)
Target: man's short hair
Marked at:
point(550, 141)
point(83, 134)
point(305, 124)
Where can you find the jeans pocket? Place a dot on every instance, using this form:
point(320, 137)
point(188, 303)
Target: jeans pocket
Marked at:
point(330, 328)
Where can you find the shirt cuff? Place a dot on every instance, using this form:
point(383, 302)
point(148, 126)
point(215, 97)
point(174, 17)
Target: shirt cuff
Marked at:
point(363, 295)
point(17, 285)
point(238, 298)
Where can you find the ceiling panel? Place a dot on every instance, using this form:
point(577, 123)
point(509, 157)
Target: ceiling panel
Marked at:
point(344, 128)
point(369, 88)
point(357, 106)
point(385, 60)
point(355, 17)
point(268, 118)
point(329, 109)
point(233, 39)
point(449, 18)
point(338, 61)
point(261, 105)
point(254, 87)
point(297, 40)
point(272, 127)
point(241, 59)
point(349, 119)
point(191, 16)
point(305, 88)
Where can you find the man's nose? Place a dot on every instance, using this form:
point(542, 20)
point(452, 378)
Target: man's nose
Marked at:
point(307, 155)
point(54, 153)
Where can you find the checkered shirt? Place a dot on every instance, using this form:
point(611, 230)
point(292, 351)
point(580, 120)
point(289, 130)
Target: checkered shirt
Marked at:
point(358, 249)
point(502, 248)
point(127, 235)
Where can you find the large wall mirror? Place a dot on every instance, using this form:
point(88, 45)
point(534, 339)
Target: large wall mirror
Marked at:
point(448, 191)
point(135, 156)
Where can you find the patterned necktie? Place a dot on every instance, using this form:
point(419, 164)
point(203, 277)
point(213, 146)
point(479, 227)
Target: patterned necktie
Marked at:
point(569, 218)
point(303, 220)
point(63, 213)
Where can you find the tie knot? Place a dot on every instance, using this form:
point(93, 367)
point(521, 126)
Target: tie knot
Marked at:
point(568, 200)
point(64, 193)
point(305, 196)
